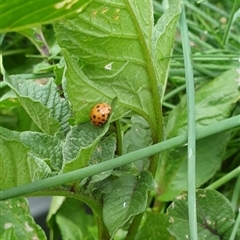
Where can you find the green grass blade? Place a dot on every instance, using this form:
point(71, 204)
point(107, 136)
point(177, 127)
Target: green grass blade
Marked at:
point(191, 127)
point(236, 227)
point(230, 21)
point(234, 173)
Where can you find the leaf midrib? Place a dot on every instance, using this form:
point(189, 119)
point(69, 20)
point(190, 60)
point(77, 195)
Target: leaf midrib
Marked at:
point(147, 50)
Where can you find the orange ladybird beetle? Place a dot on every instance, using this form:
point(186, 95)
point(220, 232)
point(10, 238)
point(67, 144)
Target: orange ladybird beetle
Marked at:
point(100, 113)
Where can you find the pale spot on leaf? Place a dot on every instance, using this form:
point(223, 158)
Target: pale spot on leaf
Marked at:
point(65, 3)
point(7, 225)
point(109, 66)
point(28, 228)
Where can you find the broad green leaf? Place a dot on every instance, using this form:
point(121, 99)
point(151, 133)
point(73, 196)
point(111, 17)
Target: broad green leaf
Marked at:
point(214, 102)
point(80, 144)
point(128, 197)
point(105, 150)
point(163, 40)
point(48, 110)
point(45, 147)
point(209, 156)
point(17, 165)
point(20, 14)
point(15, 215)
point(109, 52)
point(76, 221)
point(8, 134)
point(215, 216)
point(155, 227)
point(137, 137)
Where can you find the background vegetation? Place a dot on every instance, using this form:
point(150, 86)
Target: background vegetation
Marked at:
point(132, 177)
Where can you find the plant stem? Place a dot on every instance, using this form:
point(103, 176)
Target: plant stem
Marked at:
point(119, 138)
point(134, 227)
point(117, 162)
point(192, 212)
point(236, 193)
point(234, 173)
point(95, 206)
point(236, 227)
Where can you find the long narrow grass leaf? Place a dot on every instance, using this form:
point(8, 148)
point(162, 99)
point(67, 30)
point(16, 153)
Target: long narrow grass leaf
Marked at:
point(192, 213)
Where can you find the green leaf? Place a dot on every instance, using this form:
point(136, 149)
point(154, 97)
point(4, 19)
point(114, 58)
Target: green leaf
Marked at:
point(8, 234)
point(214, 102)
point(48, 110)
point(50, 147)
point(35, 35)
point(215, 216)
point(155, 227)
point(163, 40)
point(137, 137)
point(80, 144)
point(20, 14)
point(98, 71)
point(105, 150)
point(17, 165)
point(76, 221)
point(16, 219)
point(127, 198)
point(209, 156)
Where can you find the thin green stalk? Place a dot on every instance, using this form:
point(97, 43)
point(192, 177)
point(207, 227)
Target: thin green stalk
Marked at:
point(17, 51)
point(168, 105)
point(117, 162)
point(134, 227)
point(208, 56)
point(236, 227)
point(119, 138)
point(174, 92)
point(30, 76)
point(236, 192)
point(227, 32)
point(234, 173)
point(215, 8)
point(207, 72)
point(192, 213)
point(178, 90)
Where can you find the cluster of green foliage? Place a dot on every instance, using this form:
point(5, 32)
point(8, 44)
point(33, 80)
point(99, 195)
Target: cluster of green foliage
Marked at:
point(130, 178)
